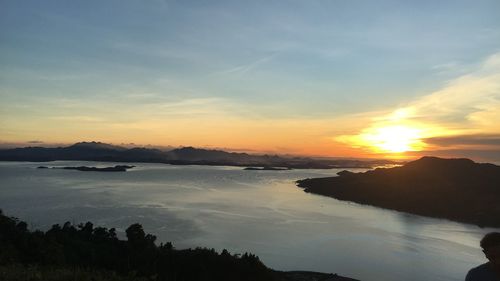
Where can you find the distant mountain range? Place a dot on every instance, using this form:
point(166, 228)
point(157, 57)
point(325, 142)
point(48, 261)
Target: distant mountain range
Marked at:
point(456, 189)
point(97, 151)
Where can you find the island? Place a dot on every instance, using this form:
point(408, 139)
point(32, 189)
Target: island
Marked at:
point(455, 189)
point(117, 168)
point(266, 168)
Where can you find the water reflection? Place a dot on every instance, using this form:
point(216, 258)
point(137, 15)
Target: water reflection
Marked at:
point(258, 211)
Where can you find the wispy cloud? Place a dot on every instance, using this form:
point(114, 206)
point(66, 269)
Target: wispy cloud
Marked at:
point(457, 114)
point(79, 118)
point(475, 141)
point(450, 68)
point(472, 98)
point(244, 68)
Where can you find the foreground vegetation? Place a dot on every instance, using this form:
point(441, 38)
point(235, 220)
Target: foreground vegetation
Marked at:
point(85, 252)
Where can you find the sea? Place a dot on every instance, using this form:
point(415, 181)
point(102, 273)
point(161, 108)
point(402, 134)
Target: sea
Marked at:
point(261, 212)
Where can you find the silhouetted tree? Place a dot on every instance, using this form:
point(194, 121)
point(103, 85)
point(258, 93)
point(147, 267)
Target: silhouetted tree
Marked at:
point(86, 246)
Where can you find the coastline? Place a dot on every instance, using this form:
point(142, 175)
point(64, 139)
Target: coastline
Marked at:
point(454, 189)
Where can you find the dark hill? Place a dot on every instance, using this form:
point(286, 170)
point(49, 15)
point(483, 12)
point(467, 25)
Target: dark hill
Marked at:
point(455, 189)
point(95, 146)
point(198, 154)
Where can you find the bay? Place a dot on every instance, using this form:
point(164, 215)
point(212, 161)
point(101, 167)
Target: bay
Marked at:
point(262, 212)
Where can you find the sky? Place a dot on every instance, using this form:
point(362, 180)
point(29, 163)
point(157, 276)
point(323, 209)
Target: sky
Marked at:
point(392, 79)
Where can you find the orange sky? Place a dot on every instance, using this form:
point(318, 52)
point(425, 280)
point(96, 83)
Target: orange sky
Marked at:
point(377, 83)
point(463, 115)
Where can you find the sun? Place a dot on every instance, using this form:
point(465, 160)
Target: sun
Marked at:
point(394, 139)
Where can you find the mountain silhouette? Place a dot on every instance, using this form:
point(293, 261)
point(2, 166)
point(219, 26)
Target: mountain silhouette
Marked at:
point(97, 151)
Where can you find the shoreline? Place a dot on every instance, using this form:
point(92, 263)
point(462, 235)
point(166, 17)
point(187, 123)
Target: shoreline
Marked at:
point(458, 190)
point(236, 165)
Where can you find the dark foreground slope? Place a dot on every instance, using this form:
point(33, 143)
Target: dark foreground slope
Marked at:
point(85, 253)
point(455, 189)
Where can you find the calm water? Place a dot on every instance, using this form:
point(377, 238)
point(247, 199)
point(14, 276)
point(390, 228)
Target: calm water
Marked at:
point(262, 212)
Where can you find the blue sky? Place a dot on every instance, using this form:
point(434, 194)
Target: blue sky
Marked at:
point(265, 60)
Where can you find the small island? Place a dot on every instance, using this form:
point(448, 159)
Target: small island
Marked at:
point(117, 168)
point(266, 168)
point(455, 189)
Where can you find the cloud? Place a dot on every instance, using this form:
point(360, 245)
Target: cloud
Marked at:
point(471, 99)
point(482, 147)
point(78, 118)
point(244, 68)
point(491, 141)
point(470, 102)
point(450, 68)
point(465, 111)
point(482, 155)
point(193, 107)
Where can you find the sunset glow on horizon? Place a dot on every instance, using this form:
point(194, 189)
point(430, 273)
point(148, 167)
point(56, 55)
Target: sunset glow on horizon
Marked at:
point(338, 79)
point(395, 139)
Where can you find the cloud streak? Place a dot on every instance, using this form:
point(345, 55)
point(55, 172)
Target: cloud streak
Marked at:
point(244, 68)
point(464, 112)
point(469, 101)
point(491, 141)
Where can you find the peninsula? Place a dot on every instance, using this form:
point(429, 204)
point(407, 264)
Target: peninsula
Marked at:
point(455, 189)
